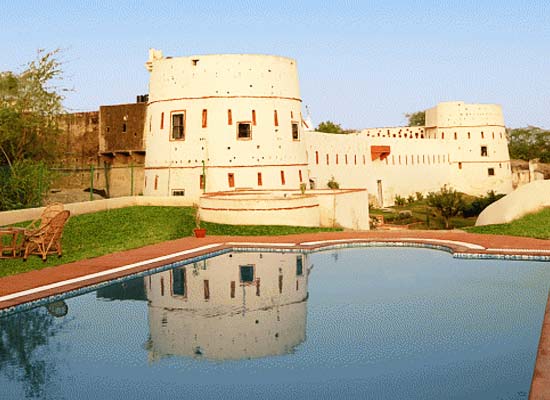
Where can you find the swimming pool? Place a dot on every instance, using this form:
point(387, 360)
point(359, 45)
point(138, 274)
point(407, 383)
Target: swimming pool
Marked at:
point(362, 323)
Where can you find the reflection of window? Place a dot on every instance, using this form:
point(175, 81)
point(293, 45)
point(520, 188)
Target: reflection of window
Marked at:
point(295, 131)
point(247, 273)
point(483, 151)
point(178, 130)
point(299, 266)
point(244, 130)
point(178, 282)
point(491, 171)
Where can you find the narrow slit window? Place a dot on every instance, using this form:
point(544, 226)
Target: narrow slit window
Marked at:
point(201, 181)
point(253, 117)
point(204, 118)
point(124, 127)
point(260, 183)
point(231, 180)
point(300, 175)
point(161, 120)
point(299, 266)
point(275, 118)
point(283, 178)
point(316, 157)
point(229, 118)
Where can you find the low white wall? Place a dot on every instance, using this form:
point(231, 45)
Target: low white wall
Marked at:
point(260, 209)
point(526, 199)
point(348, 209)
point(86, 207)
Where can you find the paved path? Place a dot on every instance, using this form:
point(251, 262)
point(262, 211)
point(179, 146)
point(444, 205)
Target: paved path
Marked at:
point(35, 285)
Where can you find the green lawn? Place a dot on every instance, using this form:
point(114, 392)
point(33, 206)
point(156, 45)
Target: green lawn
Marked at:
point(535, 225)
point(92, 235)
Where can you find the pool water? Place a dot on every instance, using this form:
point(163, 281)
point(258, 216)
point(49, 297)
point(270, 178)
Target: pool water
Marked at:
point(380, 323)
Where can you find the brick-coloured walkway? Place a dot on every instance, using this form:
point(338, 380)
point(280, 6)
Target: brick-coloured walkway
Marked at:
point(458, 241)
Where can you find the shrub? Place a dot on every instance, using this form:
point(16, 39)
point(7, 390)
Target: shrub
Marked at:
point(411, 199)
point(475, 207)
point(419, 196)
point(23, 185)
point(332, 184)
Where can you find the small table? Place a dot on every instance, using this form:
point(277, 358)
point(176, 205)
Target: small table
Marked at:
point(11, 250)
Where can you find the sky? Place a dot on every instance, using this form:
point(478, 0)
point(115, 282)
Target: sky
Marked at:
point(361, 63)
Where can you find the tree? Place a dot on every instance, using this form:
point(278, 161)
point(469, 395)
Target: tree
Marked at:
point(29, 106)
point(329, 127)
point(529, 143)
point(417, 118)
point(448, 202)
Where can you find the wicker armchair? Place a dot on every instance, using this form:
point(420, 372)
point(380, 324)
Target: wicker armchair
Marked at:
point(50, 211)
point(46, 239)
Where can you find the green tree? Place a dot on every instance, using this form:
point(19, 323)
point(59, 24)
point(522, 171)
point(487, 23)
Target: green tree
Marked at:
point(417, 118)
point(448, 202)
point(329, 127)
point(529, 143)
point(30, 103)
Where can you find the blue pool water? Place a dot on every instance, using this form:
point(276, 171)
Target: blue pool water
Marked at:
point(380, 323)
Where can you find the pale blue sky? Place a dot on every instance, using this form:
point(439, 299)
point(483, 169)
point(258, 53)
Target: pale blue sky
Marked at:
point(361, 63)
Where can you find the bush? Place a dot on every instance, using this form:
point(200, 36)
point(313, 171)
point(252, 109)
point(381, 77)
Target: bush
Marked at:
point(399, 201)
point(419, 196)
point(332, 184)
point(448, 202)
point(475, 207)
point(23, 185)
point(411, 199)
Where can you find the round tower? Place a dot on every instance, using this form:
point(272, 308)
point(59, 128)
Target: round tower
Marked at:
point(223, 122)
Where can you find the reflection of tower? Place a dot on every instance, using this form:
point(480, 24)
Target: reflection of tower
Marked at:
point(239, 305)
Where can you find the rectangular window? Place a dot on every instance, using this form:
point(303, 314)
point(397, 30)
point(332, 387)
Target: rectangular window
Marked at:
point(299, 266)
point(295, 131)
point(455, 136)
point(229, 118)
point(275, 118)
point(253, 117)
point(491, 171)
point(124, 127)
point(482, 135)
point(244, 131)
point(260, 183)
point(178, 126)
point(316, 157)
point(178, 282)
point(201, 182)
point(300, 175)
point(328, 162)
point(483, 151)
point(162, 121)
point(459, 165)
point(282, 177)
point(204, 118)
point(156, 182)
point(231, 180)
point(178, 192)
point(346, 158)
point(247, 273)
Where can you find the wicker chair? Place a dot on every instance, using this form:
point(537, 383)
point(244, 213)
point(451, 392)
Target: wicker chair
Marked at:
point(46, 239)
point(50, 211)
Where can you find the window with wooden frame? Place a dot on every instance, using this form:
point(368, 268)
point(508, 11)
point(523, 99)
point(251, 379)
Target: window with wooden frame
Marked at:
point(179, 284)
point(204, 118)
point(244, 131)
point(246, 273)
point(295, 131)
point(178, 125)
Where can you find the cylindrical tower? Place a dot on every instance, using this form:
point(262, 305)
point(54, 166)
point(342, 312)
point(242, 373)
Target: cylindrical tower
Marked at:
point(223, 122)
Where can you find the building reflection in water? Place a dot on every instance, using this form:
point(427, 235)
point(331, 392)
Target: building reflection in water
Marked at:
point(235, 306)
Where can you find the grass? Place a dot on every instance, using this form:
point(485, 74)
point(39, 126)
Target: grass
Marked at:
point(105, 232)
point(535, 225)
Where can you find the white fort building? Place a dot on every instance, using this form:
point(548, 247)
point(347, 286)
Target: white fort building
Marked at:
point(226, 132)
